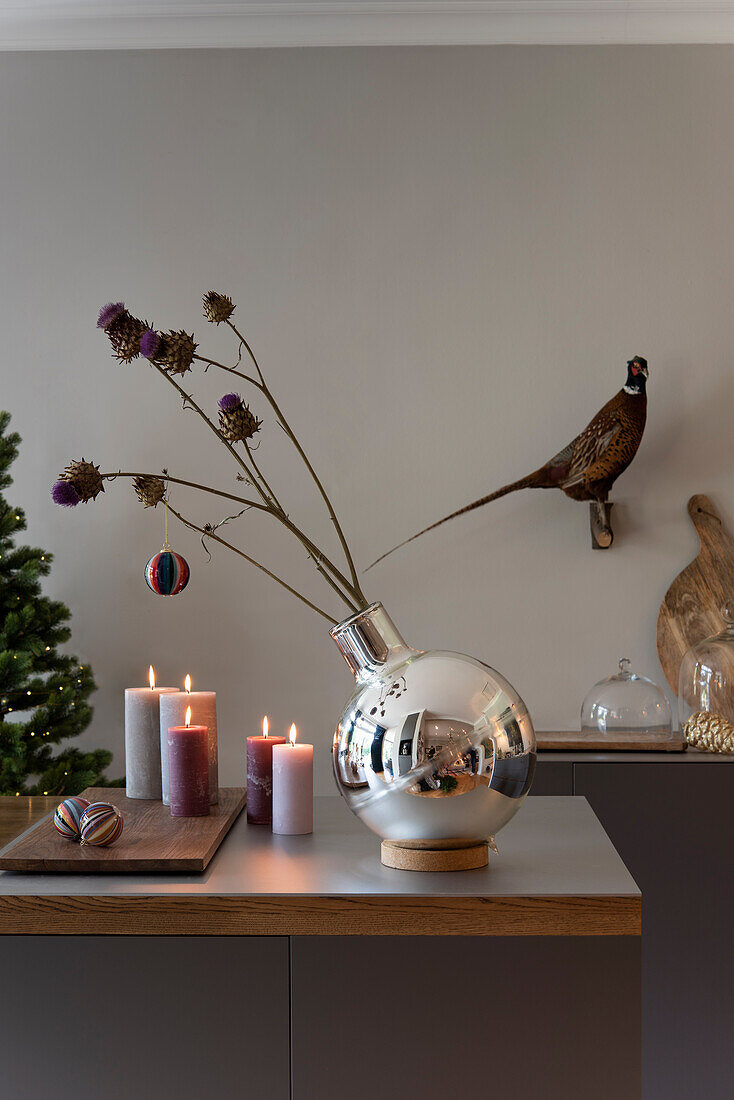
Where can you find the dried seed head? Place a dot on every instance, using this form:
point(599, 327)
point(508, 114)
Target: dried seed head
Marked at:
point(81, 476)
point(236, 420)
point(123, 331)
point(175, 351)
point(217, 307)
point(150, 489)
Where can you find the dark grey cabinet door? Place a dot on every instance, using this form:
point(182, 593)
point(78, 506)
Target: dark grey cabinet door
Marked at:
point(552, 777)
point(122, 1017)
point(673, 825)
point(437, 1017)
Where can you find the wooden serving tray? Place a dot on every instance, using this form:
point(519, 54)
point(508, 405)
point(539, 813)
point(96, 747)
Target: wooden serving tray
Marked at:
point(151, 839)
point(691, 609)
point(575, 741)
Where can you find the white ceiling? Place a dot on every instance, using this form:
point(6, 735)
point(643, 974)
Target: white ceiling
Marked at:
point(125, 24)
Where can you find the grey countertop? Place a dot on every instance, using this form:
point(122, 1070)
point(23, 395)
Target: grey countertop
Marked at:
point(555, 846)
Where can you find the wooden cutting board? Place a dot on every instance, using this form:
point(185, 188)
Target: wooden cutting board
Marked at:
point(691, 609)
point(151, 839)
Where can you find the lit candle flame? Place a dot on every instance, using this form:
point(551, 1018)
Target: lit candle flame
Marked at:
point(151, 677)
point(266, 727)
point(187, 683)
point(187, 723)
point(293, 734)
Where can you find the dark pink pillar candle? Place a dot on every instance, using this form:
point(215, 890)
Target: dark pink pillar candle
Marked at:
point(260, 778)
point(188, 769)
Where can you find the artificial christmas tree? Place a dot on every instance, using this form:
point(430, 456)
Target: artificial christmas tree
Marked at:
point(43, 692)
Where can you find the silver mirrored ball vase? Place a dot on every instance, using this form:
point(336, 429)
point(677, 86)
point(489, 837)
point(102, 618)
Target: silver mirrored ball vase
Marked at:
point(431, 746)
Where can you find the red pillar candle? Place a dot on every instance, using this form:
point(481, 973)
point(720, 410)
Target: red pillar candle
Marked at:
point(260, 776)
point(188, 769)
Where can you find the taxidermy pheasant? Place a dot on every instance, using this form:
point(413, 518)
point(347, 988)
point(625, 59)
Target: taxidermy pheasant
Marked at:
point(588, 467)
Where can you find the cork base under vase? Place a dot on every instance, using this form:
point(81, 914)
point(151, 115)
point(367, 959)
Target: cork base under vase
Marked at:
point(435, 855)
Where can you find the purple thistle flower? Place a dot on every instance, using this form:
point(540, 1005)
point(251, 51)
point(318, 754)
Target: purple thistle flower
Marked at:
point(109, 313)
point(149, 342)
point(230, 401)
point(65, 494)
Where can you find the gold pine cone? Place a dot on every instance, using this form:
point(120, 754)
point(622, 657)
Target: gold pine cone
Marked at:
point(217, 307)
point(709, 732)
point(238, 423)
point(85, 478)
point(175, 352)
point(150, 490)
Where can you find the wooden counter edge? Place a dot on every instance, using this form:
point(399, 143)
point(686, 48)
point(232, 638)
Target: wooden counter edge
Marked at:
point(296, 915)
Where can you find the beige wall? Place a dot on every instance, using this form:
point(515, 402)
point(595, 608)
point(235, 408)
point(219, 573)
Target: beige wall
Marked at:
point(444, 258)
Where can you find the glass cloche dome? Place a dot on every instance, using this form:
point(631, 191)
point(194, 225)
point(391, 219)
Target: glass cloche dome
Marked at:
point(627, 706)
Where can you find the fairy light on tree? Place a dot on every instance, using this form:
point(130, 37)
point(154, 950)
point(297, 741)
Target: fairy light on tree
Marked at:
point(41, 689)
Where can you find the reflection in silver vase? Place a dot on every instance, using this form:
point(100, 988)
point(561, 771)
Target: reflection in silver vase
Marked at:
point(431, 745)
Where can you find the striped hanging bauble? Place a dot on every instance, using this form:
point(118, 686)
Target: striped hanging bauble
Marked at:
point(167, 573)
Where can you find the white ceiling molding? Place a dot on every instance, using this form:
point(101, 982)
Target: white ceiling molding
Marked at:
point(117, 24)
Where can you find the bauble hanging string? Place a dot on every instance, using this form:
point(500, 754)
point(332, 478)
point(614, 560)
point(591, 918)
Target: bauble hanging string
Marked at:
point(167, 573)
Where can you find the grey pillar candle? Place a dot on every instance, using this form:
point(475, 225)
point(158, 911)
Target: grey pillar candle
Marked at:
point(203, 713)
point(142, 740)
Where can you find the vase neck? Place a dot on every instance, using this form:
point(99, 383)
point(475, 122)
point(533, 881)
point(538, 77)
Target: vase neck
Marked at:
point(370, 642)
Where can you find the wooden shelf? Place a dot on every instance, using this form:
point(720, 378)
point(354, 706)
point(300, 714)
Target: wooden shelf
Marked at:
point(574, 741)
point(294, 915)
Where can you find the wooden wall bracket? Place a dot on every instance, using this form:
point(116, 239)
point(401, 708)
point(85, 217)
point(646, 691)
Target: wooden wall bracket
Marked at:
point(600, 522)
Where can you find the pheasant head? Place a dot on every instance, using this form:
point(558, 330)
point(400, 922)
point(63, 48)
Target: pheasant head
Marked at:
point(637, 375)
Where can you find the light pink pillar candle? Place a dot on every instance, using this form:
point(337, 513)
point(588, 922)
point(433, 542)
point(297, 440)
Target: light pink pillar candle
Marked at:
point(292, 787)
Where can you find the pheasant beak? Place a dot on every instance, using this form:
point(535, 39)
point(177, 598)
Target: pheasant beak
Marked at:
point(645, 372)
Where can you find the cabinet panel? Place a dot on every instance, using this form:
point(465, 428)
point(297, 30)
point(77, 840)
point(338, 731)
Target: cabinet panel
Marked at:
point(144, 1017)
point(550, 1017)
point(672, 825)
point(552, 777)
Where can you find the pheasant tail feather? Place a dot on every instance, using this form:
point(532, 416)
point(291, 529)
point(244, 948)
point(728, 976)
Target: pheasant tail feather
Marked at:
point(531, 481)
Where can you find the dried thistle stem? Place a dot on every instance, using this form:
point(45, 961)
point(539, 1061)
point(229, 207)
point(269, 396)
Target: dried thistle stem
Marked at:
point(235, 550)
point(197, 408)
point(275, 510)
point(263, 479)
point(312, 553)
point(263, 387)
point(112, 474)
point(231, 370)
point(351, 604)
